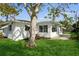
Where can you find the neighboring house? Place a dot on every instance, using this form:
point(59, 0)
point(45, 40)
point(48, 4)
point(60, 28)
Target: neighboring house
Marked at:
point(18, 30)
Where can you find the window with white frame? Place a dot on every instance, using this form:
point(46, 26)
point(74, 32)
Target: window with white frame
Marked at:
point(43, 28)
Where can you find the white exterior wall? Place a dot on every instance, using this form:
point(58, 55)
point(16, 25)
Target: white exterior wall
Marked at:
point(59, 30)
point(53, 34)
point(42, 34)
point(17, 33)
point(48, 34)
point(6, 32)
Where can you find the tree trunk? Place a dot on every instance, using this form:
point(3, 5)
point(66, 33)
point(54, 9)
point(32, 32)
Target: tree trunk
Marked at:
point(31, 42)
point(53, 21)
point(33, 14)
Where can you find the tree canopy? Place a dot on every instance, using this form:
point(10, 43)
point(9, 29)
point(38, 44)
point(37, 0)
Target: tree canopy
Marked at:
point(7, 10)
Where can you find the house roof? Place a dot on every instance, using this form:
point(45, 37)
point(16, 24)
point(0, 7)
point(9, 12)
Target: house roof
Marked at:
point(21, 21)
point(2, 24)
point(53, 23)
point(5, 24)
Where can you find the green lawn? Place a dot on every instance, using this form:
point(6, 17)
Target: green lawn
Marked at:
point(45, 47)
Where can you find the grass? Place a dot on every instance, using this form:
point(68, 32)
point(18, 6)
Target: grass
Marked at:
point(67, 32)
point(44, 48)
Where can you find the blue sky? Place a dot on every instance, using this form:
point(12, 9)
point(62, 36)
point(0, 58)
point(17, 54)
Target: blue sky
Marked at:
point(24, 15)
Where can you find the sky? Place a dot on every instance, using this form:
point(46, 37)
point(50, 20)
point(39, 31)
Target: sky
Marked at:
point(44, 11)
point(24, 15)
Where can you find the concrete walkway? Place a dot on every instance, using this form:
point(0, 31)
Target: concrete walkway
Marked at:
point(63, 37)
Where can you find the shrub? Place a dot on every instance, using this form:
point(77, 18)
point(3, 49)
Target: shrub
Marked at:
point(75, 31)
point(1, 35)
point(75, 36)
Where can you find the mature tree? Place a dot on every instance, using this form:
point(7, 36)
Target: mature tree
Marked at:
point(32, 10)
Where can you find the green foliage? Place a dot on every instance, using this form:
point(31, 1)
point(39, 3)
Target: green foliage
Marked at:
point(75, 31)
point(75, 36)
point(1, 35)
point(53, 13)
point(44, 48)
point(67, 23)
point(7, 10)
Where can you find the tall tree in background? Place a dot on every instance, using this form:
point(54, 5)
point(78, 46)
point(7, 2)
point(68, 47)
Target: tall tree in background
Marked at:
point(67, 23)
point(55, 11)
point(58, 10)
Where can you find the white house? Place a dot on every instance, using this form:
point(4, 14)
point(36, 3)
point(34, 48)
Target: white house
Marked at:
point(18, 30)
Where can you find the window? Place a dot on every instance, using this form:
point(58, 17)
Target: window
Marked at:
point(54, 29)
point(27, 28)
point(40, 28)
point(43, 28)
point(10, 27)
